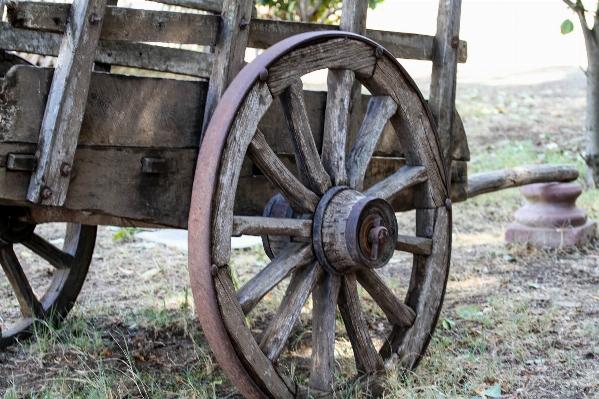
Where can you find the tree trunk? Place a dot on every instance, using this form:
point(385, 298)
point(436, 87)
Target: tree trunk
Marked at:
point(592, 122)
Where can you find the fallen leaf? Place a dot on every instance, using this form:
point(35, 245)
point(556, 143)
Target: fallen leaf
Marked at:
point(533, 285)
point(151, 273)
point(125, 271)
point(493, 392)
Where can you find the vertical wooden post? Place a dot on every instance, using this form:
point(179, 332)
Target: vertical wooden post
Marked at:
point(103, 66)
point(229, 52)
point(66, 103)
point(443, 79)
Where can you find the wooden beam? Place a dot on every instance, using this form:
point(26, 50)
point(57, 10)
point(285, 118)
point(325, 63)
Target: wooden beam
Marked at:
point(66, 104)
point(144, 25)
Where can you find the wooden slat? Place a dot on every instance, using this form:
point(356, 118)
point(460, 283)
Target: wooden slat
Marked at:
point(294, 256)
point(397, 312)
point(312, 173)
point(229, 51)
point(66, 103)
point(243, 341)
point(324, 315)
point(54, 256)
point(379, 111)
point(404, 178)
point(202, 29)
point(238, 139)
point(213, 6)
point(128, 54)
point(414, 245)
point(298, 196)
point(303, 281)
point(259, 226)
point(28, 302)
point(444, 76)
point(367, 358)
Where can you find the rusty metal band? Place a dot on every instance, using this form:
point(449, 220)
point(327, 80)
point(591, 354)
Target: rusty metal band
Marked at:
point(204, 187)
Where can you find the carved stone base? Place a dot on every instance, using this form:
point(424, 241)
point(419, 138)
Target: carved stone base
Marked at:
point(551, 218)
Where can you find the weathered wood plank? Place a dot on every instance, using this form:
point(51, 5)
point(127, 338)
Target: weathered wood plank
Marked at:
point(379, 111)
point(487, 182)
point(295, 256)
point(66, 103)
point(367, 358)
point(404, 178)
point(260, 226)
point(444, 76)
point(168, 113)
point(298, 196)
point(243, 341)
point(54, 256)
point(128, 54)
point(324, 312)
point(213, 6)
point(397, 312)
point(229, 51)
point(301, 285)
point(311, 170)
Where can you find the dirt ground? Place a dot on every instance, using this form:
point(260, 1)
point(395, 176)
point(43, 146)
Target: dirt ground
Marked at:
point(523, 319)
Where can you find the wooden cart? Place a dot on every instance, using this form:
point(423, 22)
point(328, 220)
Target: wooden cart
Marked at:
point(319, 176)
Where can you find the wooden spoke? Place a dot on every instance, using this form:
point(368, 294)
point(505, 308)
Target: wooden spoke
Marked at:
point(367, 358)
point(312, 173)
point(405, 177)
point(30, 305)
point(414, 245)
point(324, 299)
point(396, 311)
point(258, 226)
point(294, 256)
point(299, 289)
point(340, 83)
point(56, 257)
point(380, 109)
point(297, 195)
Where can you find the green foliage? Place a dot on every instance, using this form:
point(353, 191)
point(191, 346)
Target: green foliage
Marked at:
point(321, 11)
point(567, 27)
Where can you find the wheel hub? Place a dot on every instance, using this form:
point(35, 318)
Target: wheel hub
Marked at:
point(352, 231)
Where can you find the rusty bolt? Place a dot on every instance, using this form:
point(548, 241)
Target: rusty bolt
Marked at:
point(243, 24)
point(214, 270)
point(263, 75)
point(378, 52)
point(94, 18)
point(109, 53)
point(378, 235)
point(66, 169)
point(448, 203)
point(454, 42)
point(46, 193)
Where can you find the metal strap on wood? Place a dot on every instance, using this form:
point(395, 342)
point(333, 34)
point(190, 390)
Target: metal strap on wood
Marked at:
point(66, 104)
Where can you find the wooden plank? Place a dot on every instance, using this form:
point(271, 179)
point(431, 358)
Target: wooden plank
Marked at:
point(415, 245)
point(104, 66)
point(295, 256)
point(487, 182)
point(379, 111)
point(229, 51)
point(311, 170)
point(444, 76)
point(298, 196)
point(243, 341)
point(213, 6)
point(66, 103)
point(397, 312)
point(324, 315)
point(261, 226)
point(367, 358)
point(128, 54)
point(275, 338)
point(202, 29)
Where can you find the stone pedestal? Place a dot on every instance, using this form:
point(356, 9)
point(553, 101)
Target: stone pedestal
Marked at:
point(550, 217)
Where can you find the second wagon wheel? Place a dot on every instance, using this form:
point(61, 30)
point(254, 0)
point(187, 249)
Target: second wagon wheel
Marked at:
point(44, 281)
point(339, 233)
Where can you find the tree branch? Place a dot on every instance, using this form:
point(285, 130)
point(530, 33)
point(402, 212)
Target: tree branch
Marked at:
point(314, 10)
point(329, 13)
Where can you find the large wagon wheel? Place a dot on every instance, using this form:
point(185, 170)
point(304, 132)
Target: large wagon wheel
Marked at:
point(53, 299)
point(339, 233)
